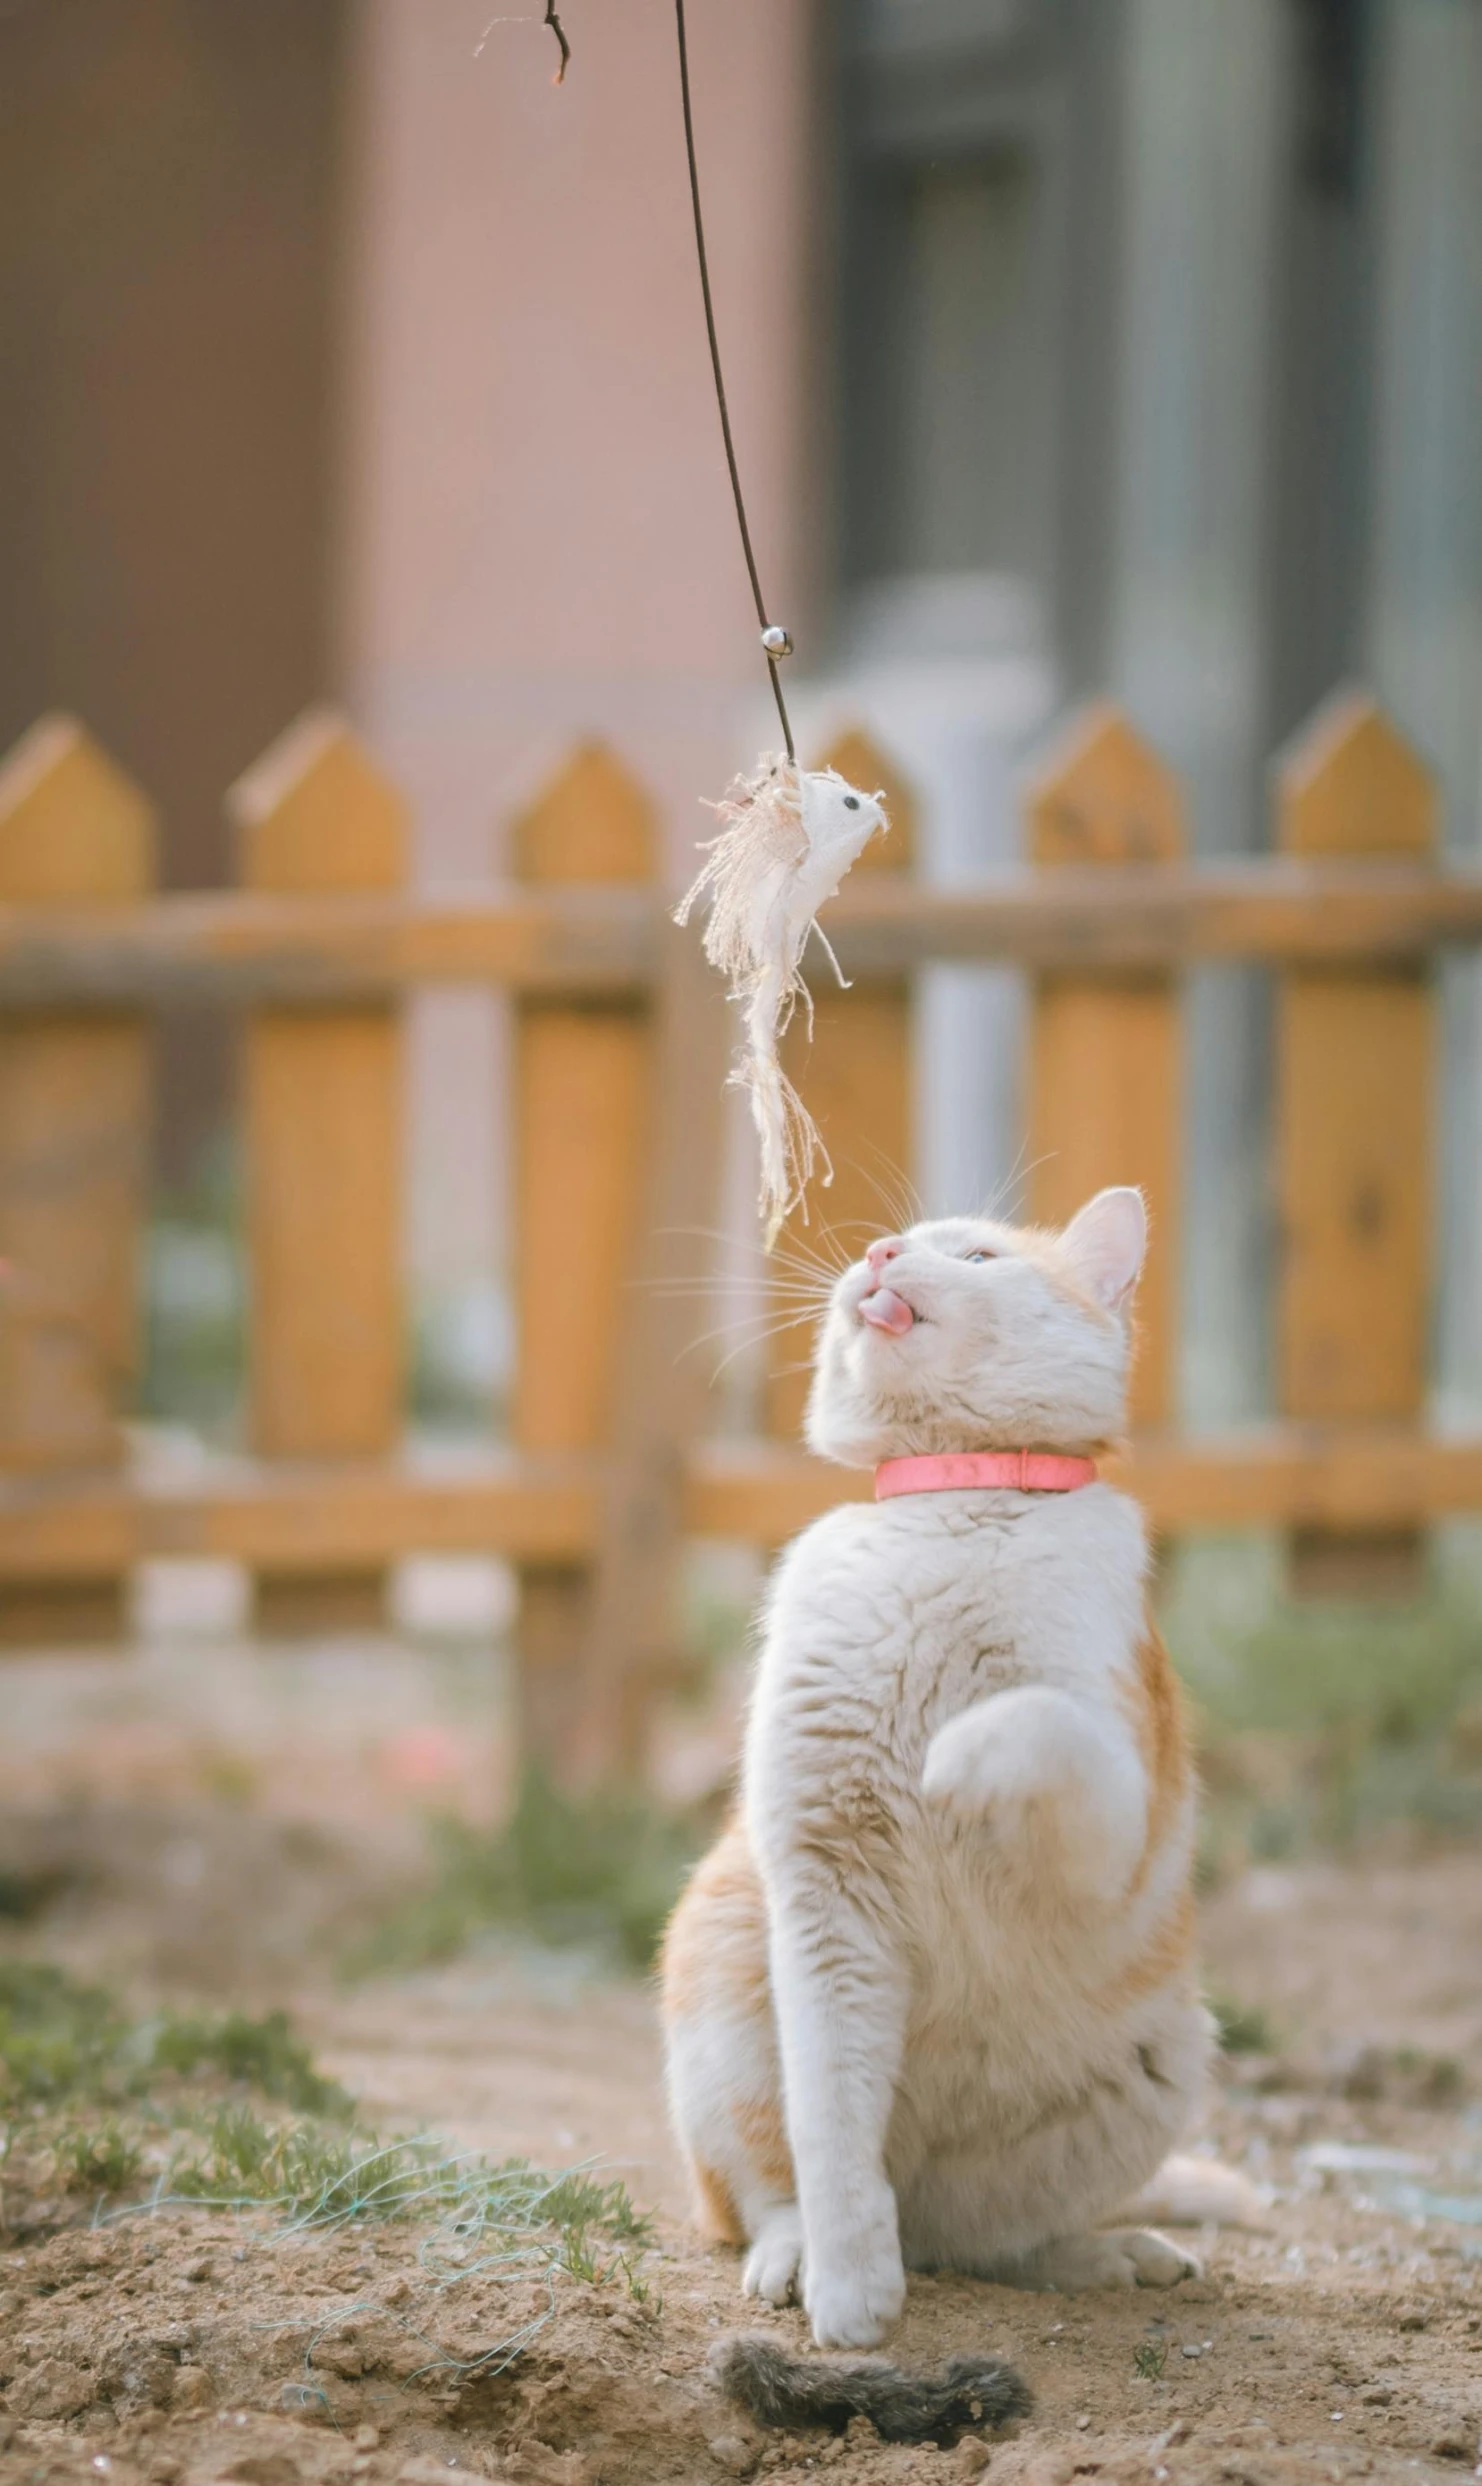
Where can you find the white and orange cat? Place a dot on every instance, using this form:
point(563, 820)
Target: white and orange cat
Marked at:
point(931, 2001)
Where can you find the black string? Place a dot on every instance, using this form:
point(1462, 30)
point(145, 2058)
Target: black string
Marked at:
point(720, 386)
point(558, 30)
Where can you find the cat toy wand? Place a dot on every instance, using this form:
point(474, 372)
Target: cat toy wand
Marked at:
point(787, 837)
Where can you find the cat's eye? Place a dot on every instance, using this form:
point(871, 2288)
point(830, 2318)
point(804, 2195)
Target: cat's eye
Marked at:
point(851, 802)
point(980, 1255)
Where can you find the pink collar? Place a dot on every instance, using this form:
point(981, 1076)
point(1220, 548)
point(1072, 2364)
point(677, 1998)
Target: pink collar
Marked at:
point(955, 1471)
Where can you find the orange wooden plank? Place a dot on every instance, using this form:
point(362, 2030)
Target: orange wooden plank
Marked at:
point(1106, 1048)
point(1356, 1055)
point(604, 942)
point(74, 1136)
point(324, 1150)
point(633, 1641)
point(856, 1077)
point(549, 1513)
point(583, 1101)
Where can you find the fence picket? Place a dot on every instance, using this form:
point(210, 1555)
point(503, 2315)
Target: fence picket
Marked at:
point(1106, 1049)
point(324, 1156)
point(74, 1132)
point(583, 1101)
point(1356, 1055)
point(857, 1075)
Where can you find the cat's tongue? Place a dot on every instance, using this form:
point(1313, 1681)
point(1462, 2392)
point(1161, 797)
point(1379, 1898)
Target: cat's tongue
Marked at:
point(885, 1309)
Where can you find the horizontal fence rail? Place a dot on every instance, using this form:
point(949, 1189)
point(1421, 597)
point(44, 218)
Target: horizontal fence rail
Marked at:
point(620, 1039)
point(328, 1518)
point(232, 949)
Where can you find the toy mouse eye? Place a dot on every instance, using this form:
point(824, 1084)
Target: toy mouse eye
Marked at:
point(980, 1255)
point(851, 802)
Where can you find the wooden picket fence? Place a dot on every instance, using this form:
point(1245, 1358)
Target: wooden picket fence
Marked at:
point(618, 1061)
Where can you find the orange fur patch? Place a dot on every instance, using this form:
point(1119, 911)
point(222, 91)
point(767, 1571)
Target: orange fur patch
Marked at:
point(1168, 1953)
point(715, 1948)
point(764, 2138)
point(716, 2214)
point(1155, 1706)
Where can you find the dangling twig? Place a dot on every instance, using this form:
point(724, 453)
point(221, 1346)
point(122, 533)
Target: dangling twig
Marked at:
point(559, 31)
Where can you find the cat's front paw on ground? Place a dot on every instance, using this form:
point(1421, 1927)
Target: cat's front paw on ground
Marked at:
point(776, 2256)
point(853, 2302)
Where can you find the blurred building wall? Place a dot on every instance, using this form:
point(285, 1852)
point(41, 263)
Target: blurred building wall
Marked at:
point(539, 542)
point(169, 194)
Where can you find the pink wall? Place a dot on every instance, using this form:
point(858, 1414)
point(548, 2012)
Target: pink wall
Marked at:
point(539, 540)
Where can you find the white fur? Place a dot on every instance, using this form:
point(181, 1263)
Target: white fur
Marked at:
point(948, 1812)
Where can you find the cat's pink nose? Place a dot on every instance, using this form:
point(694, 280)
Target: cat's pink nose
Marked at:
point(887, 1247)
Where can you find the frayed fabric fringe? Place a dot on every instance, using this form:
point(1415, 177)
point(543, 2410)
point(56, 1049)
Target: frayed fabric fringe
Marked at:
point(786, 840)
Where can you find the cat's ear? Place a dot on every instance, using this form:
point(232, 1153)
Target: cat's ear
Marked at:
point(1105, 1242)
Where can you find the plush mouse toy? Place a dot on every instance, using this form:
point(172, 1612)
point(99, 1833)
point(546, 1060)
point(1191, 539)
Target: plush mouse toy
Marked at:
point(788, 837)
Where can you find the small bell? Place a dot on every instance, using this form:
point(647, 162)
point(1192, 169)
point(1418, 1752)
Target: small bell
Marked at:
point(777, 642)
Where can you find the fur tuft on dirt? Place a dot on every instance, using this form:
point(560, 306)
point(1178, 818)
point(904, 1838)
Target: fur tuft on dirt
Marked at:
point(779, 2390)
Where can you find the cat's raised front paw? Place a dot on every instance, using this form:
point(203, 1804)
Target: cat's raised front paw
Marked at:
point(966, 1768)
point(853, 2304)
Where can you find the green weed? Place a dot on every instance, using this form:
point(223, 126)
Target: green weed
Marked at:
point(105, 2159)
point(194, 1290)
point(132, 2112)
point(58, 2038)
point(318, 2178)
point(1244, 2028)
point(90, 2091)
point(1149, 2358)
point(603, 1871)
point(61, 2040)
point(1326, 1721)
point(265, 2053)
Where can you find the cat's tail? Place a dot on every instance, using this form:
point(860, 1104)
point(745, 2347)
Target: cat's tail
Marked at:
point(781, 2390)
point(1197, 2192)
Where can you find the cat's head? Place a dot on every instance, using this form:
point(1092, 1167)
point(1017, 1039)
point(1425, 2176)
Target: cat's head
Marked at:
point(963, 1334)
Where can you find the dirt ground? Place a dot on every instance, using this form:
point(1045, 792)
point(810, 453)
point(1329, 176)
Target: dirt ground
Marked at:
point(219, 1830)
point(183, 2348)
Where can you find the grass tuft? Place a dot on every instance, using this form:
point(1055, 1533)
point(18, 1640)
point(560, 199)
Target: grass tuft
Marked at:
point(103, 2160)
point(1326, 1722)
point(58, 2038)
point(264, 2053)
point(603, 1871)
point(61, 2040)
point(231, 2112)
point(1244, 2028)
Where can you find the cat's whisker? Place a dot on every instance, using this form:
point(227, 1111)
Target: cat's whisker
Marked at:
point(1010, 1185)
point(816, 1290)
point(766, 1319)
point(757, 1332)
point(818, 1282)
point(745, 1346)
point(795, 1250)
point(894, 1189)
point(828, 1266)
